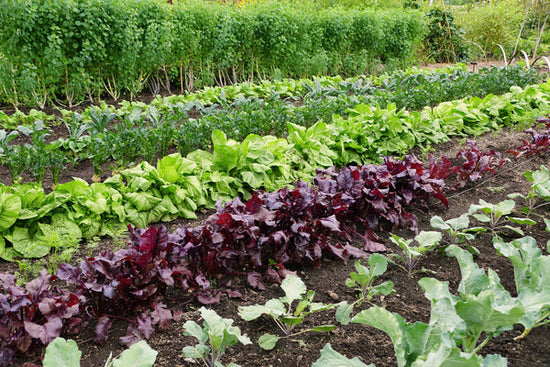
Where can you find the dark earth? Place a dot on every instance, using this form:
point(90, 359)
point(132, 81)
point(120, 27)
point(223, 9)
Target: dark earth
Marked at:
point(369, 344)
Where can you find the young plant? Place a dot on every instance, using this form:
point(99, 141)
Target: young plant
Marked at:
point(532, 278)
point(363, 278)
point(539, 194)
point(281, 311)
point(459, 326)
point(426, 241)
point(215, 336)
point(61, 352)
point(459, 230)
point(494, 214)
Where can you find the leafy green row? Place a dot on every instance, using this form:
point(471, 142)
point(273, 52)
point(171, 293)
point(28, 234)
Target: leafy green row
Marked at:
point(32, 222)
point(149, 133)
point(412, 88)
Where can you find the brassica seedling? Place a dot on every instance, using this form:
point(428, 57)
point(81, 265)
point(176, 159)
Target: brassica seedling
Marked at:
point(281, 311)
point(215, 336)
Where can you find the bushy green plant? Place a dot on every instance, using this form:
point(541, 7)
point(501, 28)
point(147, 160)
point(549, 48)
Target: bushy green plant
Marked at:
point(444, 40)
point(488, 24)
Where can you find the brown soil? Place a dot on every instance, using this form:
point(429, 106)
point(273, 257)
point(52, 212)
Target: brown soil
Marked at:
point(369, 344)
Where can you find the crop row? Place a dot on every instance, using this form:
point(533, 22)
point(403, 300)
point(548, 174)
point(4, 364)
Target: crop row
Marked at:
point(291, 226)
point(411, 89)
point(32, 222)
point(75, 51)
point(137, 131)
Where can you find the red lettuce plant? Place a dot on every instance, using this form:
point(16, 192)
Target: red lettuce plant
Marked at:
point(540, 140)
point(37, 313)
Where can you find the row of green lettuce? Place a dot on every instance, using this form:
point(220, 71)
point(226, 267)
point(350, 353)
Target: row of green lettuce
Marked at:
point(32, 223)
point(138, 132)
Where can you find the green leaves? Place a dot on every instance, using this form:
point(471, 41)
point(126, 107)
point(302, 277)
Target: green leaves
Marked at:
point(62, 353)
point(215, 336)
point(280, 311)
point(10, 205)
point(331, 358)
point(363, 278)
point(65, 353)
point(532, 278)
point(139, 354)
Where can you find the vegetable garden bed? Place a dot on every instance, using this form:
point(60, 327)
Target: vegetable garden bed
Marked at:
point(328, 279)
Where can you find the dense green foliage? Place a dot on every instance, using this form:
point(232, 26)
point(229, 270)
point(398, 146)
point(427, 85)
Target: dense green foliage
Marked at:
point(72, 51)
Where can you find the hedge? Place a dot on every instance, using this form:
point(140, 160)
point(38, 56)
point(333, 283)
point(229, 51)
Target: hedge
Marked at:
point(73, 50)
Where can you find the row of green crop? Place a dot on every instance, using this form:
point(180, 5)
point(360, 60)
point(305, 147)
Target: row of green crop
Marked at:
point(412, 89)
point(32, 222)
point(71, 50)
point(144, 132)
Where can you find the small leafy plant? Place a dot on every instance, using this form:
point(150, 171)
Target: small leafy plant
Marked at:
point(459, 230)
point(281, 311)
point(495, 214)
point(532, 280)
point(410, 257)
point(215, 336)
point(539, 193)
point(362, 280)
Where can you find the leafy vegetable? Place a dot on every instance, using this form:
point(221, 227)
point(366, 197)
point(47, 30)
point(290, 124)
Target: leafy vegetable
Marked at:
point(215, 336)
point(281, 311)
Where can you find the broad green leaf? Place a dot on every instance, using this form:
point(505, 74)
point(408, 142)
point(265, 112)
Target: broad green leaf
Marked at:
point(489, 313)
point(494, 360)
point(391, 323)
point(139, 354)
point(331, 358)
point(196, 352)
point(191, 328)
point(142, 201)
point(172, 167)
point(448, 356)
point(343, 312)
point(27, 246)
point(226, 152)
point(62, 353)
point(378, 264)
point(385, 289)
point(438, 223)
point(272, 307)
point(268, 341)
point(428, 239)
point(526, 221)
point(10, 205)
point(473, 279)
point(293, 287)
